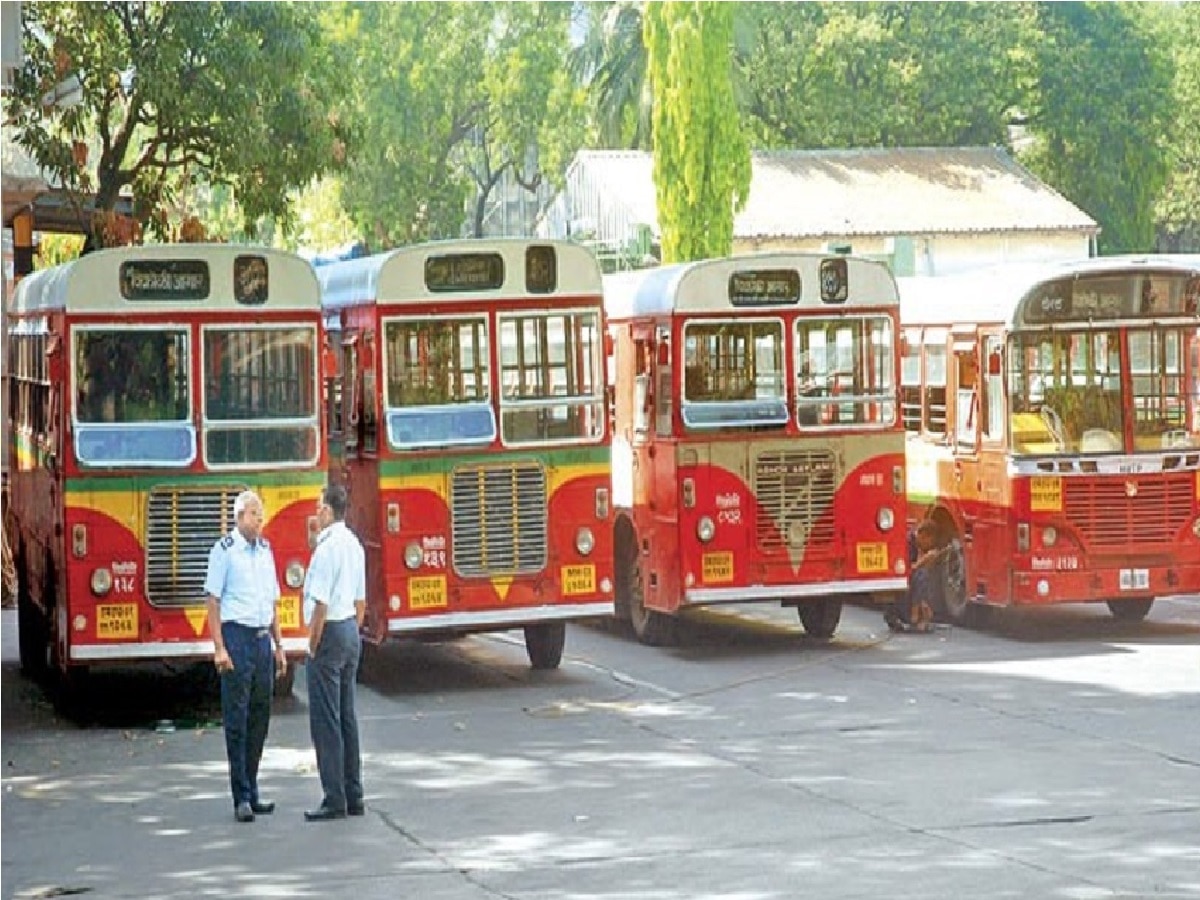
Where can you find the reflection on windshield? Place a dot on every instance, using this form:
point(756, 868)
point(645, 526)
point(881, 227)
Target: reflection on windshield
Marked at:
point(143, 445)
point(131, 375)
point(441, 426)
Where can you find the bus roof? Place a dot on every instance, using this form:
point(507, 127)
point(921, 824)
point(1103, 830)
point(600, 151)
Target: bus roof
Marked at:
point(992, 295)
point(402, 275)
point(172, 278)
point(708, 286)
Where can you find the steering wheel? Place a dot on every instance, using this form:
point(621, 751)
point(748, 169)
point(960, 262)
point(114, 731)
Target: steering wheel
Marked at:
point(1054, 423)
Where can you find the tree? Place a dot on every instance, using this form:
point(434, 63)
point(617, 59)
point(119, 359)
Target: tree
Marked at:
point(451, 98)
point(701, 158)
point(1098, 113)
point(611, 62)
point(232, 93)
point(1177, 212)
point(885, 74)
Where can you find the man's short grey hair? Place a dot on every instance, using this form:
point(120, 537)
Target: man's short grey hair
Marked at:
point(244, 499)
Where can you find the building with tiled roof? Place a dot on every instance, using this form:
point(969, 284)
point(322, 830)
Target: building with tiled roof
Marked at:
point(930, 210)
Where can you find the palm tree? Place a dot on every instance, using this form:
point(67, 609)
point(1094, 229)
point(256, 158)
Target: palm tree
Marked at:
point(611, 63)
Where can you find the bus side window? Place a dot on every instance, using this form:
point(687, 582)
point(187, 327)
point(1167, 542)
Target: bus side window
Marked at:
point(643, 398)
point(910, 380)
point(934, 398)
point(350, 394)
point(966, 407)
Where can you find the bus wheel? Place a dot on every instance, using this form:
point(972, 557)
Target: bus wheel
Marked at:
point(820, 617)
point(544, 644)
point(286, 683)
point(1130, 610)
point(956, 605)
point(31, 627)
point(651, 627)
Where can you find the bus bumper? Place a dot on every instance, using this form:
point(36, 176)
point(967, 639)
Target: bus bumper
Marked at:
point(1095, 584)
point(780, 592)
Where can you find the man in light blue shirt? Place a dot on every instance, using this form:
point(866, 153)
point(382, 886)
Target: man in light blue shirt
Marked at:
point(335, 597)
point(243, 589)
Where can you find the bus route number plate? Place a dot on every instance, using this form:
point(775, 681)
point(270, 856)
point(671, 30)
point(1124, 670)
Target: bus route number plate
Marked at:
point(872, 557)
point(288, 610)
point(427, 593)
point(1135, 579)
point(116, 621)
point(718, 568)
point(579, 579)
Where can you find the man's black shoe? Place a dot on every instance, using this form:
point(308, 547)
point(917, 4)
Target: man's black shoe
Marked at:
point(323, 814)
point(243, 813)
point(263, 807)
point(353, 810)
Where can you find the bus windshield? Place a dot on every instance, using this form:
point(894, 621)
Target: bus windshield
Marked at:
point(845, 371)
point(438, 382)
point(733, 374)
point(260, 395)
point(553, 386)
point(131, 397)
point(1068, 396)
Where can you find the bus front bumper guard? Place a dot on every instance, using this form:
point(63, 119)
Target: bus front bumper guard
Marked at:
point(157, 650)
point(500, 618)
point(829, 589)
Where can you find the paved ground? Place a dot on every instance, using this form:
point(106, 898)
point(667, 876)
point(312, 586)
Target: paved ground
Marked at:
point(1056, 755)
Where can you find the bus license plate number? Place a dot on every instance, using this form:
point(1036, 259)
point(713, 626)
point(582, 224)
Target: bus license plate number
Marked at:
point(578, 580)
point(427, 593)
point(872, 558)
point(288, 611)
point(1135, 579)
point(116, 621)
point(718, 568)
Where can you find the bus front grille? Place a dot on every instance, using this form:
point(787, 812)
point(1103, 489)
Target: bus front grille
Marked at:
point(1116, 513)
point(499, 519)
point(182, 524)
point(795, 490)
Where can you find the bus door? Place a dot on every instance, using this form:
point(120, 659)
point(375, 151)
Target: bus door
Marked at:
point(962, 426)
point(993, 544)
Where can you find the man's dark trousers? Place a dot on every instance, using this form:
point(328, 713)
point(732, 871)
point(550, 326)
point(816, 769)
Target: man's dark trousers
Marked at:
point(331, 715)
point(246, 705)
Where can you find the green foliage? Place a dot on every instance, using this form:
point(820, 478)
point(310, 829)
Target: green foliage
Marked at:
point(236, 93)
point(1177, 212)
point(701, 158)
point(1099, 112)
point(883, 74)
point(456, 96)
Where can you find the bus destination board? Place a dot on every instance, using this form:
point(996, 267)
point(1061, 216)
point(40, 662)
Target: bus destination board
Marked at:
point(764, 287)
point(464, 272)
point(164, 279)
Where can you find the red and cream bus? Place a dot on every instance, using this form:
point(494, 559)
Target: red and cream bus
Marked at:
point(149, 387)
point(1054, 431)
point(758, 452)
point(475, 443)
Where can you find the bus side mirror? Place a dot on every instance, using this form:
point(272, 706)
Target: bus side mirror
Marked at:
point(664, 353)
point(994, 363)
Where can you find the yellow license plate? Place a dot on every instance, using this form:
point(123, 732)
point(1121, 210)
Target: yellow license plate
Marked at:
point(115, 621)
point(288, 611)
point(872, 557)
point(718, 568)
point(427, 593)
point(1045, 493)
point(578, 579)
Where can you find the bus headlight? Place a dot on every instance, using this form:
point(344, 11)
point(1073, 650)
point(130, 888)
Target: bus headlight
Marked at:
point(705, 529)
point(885, 518)
point(585, 541)
point(413, 555)
point(293, 575)
point(1049, 536)
point(101, 582)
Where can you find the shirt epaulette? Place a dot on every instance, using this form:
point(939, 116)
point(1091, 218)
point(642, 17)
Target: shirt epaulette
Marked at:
point(262, 540)
point(227, 542)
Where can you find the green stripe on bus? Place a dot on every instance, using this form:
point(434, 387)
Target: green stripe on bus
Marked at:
point(430, 465)
point(142, 482)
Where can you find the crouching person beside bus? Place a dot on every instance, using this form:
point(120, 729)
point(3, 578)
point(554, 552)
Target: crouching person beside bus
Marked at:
point(915, 611)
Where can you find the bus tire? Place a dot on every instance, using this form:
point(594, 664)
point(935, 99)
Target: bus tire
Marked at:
point(651, 627)
point(544, 643)
point(820, 618)
point(31, 626)
point(285, 684)
point(1130, 610)
point(956, 604)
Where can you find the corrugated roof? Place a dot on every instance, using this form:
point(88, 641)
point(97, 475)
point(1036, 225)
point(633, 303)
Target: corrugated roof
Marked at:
point(878, 191)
